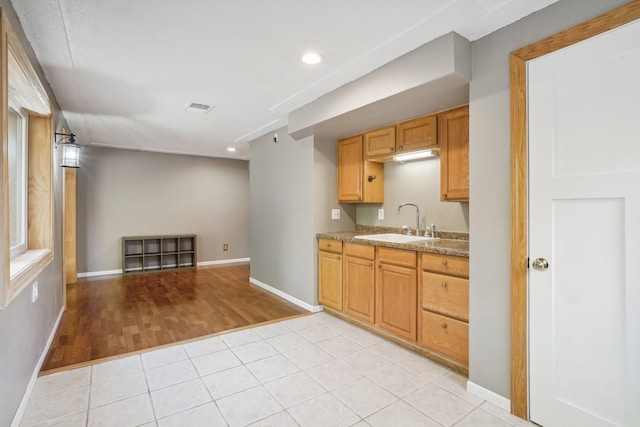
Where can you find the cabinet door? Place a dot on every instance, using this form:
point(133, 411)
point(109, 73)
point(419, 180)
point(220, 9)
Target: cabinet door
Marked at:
point(350, 169)
point(330, 279)
point(396, 300)
point(417, 134)
point(453, 132)
point(380, 143)
point(359, 288)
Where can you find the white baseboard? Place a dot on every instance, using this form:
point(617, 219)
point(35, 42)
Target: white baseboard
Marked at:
point(200, 264)
point(17, 418)
point(292, 299)
point(99, 273)
point(223, 261)
point(490, 396)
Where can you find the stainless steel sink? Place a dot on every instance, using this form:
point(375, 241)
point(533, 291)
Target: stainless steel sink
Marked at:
point(396, 238)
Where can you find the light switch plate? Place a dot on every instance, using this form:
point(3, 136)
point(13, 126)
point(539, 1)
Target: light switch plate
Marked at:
point(335, 213)
point(380, 213)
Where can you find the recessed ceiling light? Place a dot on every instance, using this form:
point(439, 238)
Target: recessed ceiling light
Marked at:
point(231, 149)
point(311, 58)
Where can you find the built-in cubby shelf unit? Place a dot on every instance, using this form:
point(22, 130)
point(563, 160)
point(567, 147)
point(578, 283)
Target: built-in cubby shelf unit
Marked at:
point(155, 253)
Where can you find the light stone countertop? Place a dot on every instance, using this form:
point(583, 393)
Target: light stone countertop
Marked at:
point(443, 246)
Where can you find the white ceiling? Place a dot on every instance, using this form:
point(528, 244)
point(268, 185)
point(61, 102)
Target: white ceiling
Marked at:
point(124, 70)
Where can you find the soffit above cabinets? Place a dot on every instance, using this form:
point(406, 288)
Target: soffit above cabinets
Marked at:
point(123, 71)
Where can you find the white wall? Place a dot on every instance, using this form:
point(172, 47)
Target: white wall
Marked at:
point(131, 193)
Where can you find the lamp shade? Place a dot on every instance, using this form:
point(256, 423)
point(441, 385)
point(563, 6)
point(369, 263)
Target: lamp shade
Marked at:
point(70, 155)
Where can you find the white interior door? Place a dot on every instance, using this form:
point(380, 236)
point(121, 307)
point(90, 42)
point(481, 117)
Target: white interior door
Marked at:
point(584, 219)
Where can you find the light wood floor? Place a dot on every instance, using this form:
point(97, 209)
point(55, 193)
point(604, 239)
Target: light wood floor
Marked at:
point(114, 315)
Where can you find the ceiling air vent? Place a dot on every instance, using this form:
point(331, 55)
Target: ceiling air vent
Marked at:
point(196, 107)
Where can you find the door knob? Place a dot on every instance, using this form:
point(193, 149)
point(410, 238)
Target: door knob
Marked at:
point(540, 264)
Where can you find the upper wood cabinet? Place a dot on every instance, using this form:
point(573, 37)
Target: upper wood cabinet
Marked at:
point(359, 181)
point(417, 134)
point(453, 134)
point(380, 143)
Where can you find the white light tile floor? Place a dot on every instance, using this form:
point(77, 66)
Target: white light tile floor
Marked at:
point(315, 370)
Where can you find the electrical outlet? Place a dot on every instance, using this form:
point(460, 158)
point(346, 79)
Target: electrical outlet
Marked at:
point(225, 247)
point(335, 213)
point(380, 213)
point(34, 291)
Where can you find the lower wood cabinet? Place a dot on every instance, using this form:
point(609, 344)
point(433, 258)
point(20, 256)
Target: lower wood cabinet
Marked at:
point(358, 274)
point(445, 335)
point(396, 296)
point(444, 306)
point(420, 298)
point(330, 273)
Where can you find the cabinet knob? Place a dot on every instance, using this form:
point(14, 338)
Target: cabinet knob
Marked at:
point(401, 147)
point(370, 264)
point(328, 245)
point(390, 148)
point(443, 284)
point(339, 258)
point(444, 262)
point(444, 195)
point(379, 266)
point(359, 197)
point(443, 326)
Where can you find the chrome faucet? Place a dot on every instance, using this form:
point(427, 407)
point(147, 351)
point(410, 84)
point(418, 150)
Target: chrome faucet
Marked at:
point(417, 216)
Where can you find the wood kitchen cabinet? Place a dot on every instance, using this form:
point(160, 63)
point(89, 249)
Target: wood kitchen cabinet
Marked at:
point(453, 135)
point(358, 273)
point(396, 292)
point(359, 180)
point(380, 143)
point(417, 134)
point(330, 273)
point(444, 303)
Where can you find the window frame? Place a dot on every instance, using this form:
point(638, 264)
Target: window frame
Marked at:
point(24, 179)
point(18, 76)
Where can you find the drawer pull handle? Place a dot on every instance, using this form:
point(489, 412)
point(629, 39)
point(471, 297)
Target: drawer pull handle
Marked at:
point(443, 284)
point(444, 326)
point(444, 262)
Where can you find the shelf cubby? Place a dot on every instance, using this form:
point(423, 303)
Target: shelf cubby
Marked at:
point(154, 253)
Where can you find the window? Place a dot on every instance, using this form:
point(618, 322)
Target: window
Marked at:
point(26, 157)
point(18, 176)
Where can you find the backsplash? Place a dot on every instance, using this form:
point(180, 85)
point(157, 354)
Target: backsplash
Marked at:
point(414, 182)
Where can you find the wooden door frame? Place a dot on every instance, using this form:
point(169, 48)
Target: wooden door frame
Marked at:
point(519, 184)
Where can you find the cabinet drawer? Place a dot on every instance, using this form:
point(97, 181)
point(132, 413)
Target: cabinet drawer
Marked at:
point(329, 245)
point(360, 250)
point(447, 264)
point(445, 335)
point(446, 294)
point(396, 257)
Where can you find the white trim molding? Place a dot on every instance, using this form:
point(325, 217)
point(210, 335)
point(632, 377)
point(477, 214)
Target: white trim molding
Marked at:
point(99, 273)
point(284, 295)
point(200, 264)
point(490, 396)
point(223, 261)
point(17, 418)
